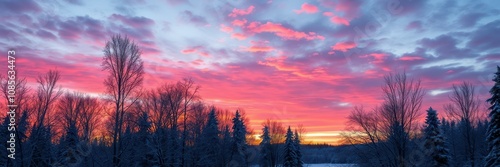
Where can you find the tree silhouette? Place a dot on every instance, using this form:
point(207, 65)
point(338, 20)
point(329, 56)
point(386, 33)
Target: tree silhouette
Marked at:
point(122, 60)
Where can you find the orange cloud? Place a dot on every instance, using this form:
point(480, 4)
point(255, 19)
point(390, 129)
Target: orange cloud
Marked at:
point(259, 49)
point(343, 46)
point(282, 31)
point(307, 8)
point(241, 12)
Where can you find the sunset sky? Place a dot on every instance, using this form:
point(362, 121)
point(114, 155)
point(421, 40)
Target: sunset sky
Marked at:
point(300, 62)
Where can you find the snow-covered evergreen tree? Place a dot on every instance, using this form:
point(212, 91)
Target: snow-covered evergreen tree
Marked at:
point(226, 146)
point(128, 151)
point(239, 143)
point(265, 148)
point(298, 150)
point(41, 145)
point(4, 136)
point(209, 143)
point(435, 147)
point(493, 138)
point(290, 158)
point(143, 143)
point(69, 155)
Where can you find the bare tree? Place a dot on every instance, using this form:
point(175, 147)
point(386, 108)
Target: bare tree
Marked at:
point(69, 110)
point(277, 134)
point(22, 93)
point(387, 130)
point(122, 59)
point(89, 117)
point(364, 127)
point(46, 95)
point(190, 95)
point(400, 110)
point(464, 108)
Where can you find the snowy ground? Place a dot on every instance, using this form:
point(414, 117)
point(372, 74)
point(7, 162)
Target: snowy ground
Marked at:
point(325, 165)
point(330, 165)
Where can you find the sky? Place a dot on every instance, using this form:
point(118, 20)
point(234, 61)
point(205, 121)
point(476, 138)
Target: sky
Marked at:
point(300, 62)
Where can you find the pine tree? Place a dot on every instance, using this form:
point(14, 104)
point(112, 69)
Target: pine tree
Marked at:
point(435, 146)
point(299, 161)
point(239, 143)
point(265, 145)
point(493, 138)
point(209, 143)
point(290, 158)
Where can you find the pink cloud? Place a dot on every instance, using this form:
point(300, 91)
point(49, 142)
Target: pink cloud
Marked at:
point(225, 28)
point(343, 46)
point(239, 23)
point(378, 57)
point(197, 62)
point(188, 51)
point(259, 46)
point(239, 36)
point(204, 54)
point(350, 9)
point(339, 20)
point(410, 58)
point(281, 31)
point(307, 8)
point(336, 19)
point(241, 12)
point(197, 49)
point(259, 49)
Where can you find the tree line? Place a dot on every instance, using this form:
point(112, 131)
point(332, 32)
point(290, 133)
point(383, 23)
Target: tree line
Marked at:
point(390, 134)
point(132, 125)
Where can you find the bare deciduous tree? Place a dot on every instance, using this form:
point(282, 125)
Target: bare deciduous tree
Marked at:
point(46, 95)
point(89, 117)
point(387, 130)
point(400, 110)
point(21, 100)
point(277, 133)
point(122, 59)
point(464, 108)
point(190, 94)
point(40, 137)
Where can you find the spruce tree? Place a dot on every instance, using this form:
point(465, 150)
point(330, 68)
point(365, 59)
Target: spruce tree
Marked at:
point(209, 144)
point(144, 144)
point(299, 161)
point(435, 147)
point(290, 158)
point(226, 146)
point(493, 138)
point(68, 147)
point(239, 143)
point(4, 136)
point(265, 148)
